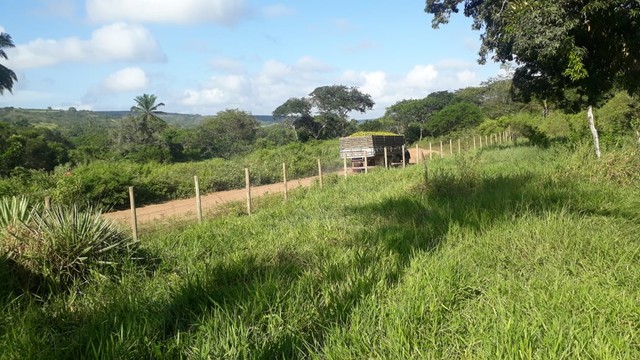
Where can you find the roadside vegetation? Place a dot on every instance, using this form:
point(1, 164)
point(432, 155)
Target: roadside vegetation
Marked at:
point(506, 253)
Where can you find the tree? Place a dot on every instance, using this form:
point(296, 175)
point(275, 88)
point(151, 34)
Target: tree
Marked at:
point(416, 112)
point(139, 136)
point(335, 102)
point(454, 117)
point(7, 76)
point(291, 111)
point(562, 47)
point(148, 122)
point(230, 132)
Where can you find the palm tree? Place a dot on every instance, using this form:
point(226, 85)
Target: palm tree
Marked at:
point(7, 77)
point(148, 121)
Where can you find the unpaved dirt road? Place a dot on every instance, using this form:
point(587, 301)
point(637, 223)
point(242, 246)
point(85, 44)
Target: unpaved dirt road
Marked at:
point(185, 207)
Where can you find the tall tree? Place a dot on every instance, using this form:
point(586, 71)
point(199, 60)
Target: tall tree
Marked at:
point(292, 111)
point(7, 76)
point(335, 102)
point(148, 121)
point(563, 47)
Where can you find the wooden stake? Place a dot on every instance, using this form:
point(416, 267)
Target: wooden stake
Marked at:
point(198, 201)
point(430, 152)
point(247, 181)
point(284, 180)
point(386, 161)
point(47, 202)
point(134, 218)
point(450, 147)
point(474, 142)
point(441, 151)
point(404, 158)
point(459, 147)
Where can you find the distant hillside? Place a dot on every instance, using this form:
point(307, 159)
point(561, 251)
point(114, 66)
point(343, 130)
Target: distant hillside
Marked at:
point(75, 118)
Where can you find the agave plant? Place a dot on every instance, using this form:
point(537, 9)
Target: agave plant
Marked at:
point(64, 245)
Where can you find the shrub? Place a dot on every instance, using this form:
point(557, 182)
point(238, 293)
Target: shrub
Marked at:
point(62, 246)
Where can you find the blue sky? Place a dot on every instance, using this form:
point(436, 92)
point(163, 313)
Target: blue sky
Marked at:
point(204, 56)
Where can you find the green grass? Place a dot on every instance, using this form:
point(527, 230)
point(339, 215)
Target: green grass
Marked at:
point(513, 253)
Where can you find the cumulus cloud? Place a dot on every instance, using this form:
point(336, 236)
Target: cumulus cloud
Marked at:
point(114, 42)
point(264, 90)
point(223, 12)
point(125, 80)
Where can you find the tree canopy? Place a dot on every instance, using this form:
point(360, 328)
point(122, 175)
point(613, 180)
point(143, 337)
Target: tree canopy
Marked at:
point(588, 45)
point(562, 47)
point(7, 76)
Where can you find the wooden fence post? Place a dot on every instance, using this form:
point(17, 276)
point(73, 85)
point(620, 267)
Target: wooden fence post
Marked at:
point(198, 200)
point(366, 165)
point(320, 172)
point(386, 161)
point(47, 202)
point(134, 218)
point(474, 142)
point(284, 180)
point(404, 158)
point(441, 151)
point(247, 181)
point(430, 152)
point(450, 147)
point(459, 147)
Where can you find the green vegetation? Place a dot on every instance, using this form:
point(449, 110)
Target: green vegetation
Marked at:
point(366, 133)
point(506, 253)
point(50, 250)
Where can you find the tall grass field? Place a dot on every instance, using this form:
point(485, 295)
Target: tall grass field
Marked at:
point(509, 253)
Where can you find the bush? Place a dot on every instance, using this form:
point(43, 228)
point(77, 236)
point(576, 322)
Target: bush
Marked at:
point(62, 246)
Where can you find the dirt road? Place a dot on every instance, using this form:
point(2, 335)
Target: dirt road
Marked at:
point(211, 201)
point(185, 206)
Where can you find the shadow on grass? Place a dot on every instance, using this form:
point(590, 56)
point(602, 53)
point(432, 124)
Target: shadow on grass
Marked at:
point(240, 298)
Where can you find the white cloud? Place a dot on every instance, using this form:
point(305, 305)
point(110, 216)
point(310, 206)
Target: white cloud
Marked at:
point(114, 42)
point(125, 80)
point(223, 12)
point(375, 83)
point(262, 91)
point(421, 76)
point(1, 29)
point(466, 77)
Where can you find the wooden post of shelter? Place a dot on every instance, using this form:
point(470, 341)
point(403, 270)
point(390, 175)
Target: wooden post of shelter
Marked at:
point(134, 218)
point(247, 181)
point(284, 180)
point(386, 161)
point(320, 172)
point(198, 200)
point(404, 158)
point(366, 164)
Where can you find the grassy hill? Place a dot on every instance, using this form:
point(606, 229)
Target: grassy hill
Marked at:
point(508, 253)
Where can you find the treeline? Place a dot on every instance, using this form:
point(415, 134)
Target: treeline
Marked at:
point(71, 153)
